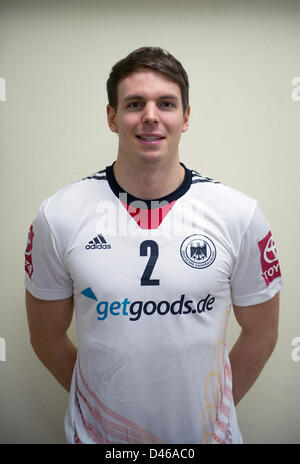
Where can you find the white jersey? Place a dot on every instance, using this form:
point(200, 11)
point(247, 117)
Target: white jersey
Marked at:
point(153, 284)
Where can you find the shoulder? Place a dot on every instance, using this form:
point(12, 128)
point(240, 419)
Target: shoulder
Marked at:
point(225, 208)
point(73, 204)
point(72, 197)
point(224, 198)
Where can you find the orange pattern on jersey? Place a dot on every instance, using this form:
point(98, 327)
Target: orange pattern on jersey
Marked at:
point(114, 428)
point(218, 392)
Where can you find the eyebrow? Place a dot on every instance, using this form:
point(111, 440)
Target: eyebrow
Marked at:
point(140, 97)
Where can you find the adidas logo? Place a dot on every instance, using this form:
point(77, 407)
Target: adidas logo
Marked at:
point(99, 243)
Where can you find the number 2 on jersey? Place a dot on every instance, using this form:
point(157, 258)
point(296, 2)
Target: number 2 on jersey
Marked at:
point(145, 279)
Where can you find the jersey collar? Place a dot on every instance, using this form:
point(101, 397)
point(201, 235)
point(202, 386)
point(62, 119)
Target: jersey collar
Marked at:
point(171, 197)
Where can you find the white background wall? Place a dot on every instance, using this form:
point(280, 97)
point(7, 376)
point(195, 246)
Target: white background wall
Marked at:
point(55, 57)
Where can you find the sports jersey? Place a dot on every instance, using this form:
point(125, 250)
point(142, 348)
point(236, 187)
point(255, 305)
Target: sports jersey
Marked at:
point(153, 283)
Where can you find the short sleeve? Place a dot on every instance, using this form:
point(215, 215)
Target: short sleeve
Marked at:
point(45, 274)
point(256, 275)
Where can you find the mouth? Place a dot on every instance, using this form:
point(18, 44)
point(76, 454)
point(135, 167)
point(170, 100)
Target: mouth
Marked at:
point(150, 139)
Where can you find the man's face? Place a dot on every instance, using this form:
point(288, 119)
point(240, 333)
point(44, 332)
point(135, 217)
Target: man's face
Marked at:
point(149, 117)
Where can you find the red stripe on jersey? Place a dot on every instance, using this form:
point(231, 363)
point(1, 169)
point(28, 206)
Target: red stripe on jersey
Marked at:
point(149, 218)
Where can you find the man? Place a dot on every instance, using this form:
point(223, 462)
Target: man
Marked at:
point(151, 255)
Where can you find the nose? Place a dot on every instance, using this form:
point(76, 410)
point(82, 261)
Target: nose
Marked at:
point(150, 115)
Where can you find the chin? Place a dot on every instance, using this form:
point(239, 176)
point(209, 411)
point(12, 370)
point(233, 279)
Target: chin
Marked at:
point(150, 158)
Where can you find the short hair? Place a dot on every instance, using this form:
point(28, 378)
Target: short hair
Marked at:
point(154, 58)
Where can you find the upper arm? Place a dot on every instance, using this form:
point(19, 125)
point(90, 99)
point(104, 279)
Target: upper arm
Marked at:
point(48, 318)
point(261, 319)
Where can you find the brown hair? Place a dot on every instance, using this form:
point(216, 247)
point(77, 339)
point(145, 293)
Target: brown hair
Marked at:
point(154, 58)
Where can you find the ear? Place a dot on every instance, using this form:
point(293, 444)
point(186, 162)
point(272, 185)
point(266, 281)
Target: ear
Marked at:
point(186, 119)
point(111, 118)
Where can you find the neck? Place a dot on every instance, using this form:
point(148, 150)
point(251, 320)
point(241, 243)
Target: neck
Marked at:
point(149, 181)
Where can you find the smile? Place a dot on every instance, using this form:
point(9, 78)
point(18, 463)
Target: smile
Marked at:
point(150, 139)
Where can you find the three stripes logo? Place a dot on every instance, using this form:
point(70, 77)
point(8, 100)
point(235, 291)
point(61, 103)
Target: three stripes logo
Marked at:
point(99, 243)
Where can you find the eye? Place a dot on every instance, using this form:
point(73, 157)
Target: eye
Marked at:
point(135, 105)
point(167, 105)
